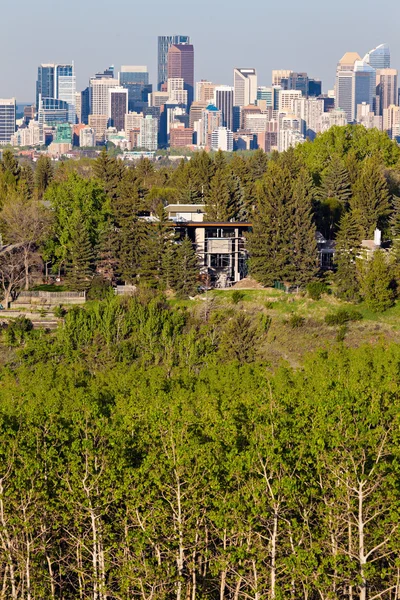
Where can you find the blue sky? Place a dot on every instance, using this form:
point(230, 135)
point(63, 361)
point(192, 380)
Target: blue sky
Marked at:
point(307, 35)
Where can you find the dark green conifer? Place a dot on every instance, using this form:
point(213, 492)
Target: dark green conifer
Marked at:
point(335, 182)
point(219, 203)
point(186, 269)
point(347, 251)
point(80, 258)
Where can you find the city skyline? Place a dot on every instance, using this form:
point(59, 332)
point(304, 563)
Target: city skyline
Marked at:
point(216, 36)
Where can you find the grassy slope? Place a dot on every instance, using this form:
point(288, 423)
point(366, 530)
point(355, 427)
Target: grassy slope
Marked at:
point(284, 342)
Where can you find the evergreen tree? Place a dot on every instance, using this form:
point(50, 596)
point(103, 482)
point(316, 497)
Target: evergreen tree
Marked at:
point(10, 166)
point(110, 171)
point(258, 164)
point(219, 204)
point(107, 261)
point(303, 245)
point(158, 236)
point(26, 183)
point(395, 233)
point(370, 201)
point(377, 281)
point(335, 182)
point(79, 266)
point(43, 175)
point(219, 160)
point(186, 269)
point(269, 242)
point(347, 251)
point(328, 213)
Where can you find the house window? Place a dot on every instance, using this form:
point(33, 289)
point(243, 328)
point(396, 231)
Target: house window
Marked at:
point(220, 261)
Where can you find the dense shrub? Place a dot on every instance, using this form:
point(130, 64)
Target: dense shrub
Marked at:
point(315, 289)
point(343, 316)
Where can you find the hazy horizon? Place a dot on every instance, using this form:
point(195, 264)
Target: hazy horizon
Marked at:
point(283, 36)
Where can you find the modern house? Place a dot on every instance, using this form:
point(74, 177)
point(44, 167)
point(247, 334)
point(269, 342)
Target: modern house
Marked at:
point(219, 246)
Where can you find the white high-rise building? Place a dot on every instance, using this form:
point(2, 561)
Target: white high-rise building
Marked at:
point(309, 110)
point(87, 137)
point(245, 86)
point(336, 117)
point(176, 91)
point(391, 121)
point(99, 98)
point(149, 133)
point(222, 139)
point(344, 87)
point(286, 99)
point(7, 120)
point(133, 121)
point(289, 131)
point(379, 57)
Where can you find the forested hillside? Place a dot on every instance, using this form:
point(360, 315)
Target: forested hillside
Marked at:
point(146, 453)
point(240, 445)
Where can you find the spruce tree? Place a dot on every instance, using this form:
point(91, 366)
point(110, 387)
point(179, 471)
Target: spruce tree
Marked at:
point(107, 261)
point(110, 171)
point(219, 160)
point(335, 182)
point(43, 175)
point(347, 251)
point(186, 269)
point(26, 183)
point(370, 201)
point(80, 258)
point(377, 281)
point(303, 245)
point(219, 203)
point(258, 164)
point(158, 236)
point(270, 239)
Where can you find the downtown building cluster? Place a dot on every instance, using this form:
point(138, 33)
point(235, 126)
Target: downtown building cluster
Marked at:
point(123, 108)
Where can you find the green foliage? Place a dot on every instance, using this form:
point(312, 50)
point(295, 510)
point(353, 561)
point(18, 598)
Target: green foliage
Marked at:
point(342, 316)
point(377, 282)
point(237, 296)
point(315, 289)
point(184, 278)
point(59, 311)
point(99, 288)
point(348, 244)
point(17, 330)
point(43, 175)
point(296, 321)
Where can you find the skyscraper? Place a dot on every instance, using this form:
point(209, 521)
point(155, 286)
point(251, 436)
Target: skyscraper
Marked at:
point(364, 85)
point(99, 94)
point(149, 133)
point(386, 88)
point(117, 107)
point(181, 66)
point(136, 80)
point(344, 84)
point(7, 120)
point(379, 57)
point(245, 86)
point(57, 82)
point(164, 44)
point(224, 101)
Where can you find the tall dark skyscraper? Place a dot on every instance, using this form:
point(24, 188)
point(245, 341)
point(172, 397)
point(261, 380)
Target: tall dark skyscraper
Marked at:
point(181, 66)
point(136, 80)
point(164, 44)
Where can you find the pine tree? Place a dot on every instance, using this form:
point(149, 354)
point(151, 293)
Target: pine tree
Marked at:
point(186, 269)
point(303, 245)
point(347, 251)
point(377, 281)
point(80, 258)
point(10, 166)
point(43, 175)
point(219, 204)
point(269, 242)
point(335, 182)
point(370, 201)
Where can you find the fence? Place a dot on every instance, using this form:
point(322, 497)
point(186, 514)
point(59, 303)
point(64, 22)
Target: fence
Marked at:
point(52, 295)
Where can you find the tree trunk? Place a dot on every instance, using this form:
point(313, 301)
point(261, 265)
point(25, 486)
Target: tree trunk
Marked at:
point(361, 547)
point(273, 555)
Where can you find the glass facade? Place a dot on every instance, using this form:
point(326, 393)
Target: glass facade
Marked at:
point(57, 82)
point(7, 120)
point(137, 84)
point(164, 44)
